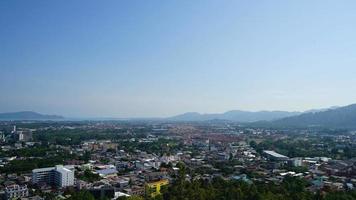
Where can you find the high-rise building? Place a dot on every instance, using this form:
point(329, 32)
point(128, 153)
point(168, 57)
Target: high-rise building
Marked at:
point(60, 176)
point(24, 136)
point(14, 130)
point(63, 177)
point(2, 137)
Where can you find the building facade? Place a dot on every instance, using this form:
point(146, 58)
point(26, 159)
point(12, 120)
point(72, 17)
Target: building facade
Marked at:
point(154, 188)
point(60, 176)
point(16, 191)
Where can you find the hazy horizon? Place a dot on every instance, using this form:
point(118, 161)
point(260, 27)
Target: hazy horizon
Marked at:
point(163, 58)
point(173, 115)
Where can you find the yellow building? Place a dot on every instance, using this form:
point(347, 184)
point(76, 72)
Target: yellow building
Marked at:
point(154, 188)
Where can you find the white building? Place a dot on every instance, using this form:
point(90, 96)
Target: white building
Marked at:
point(60, 176)
point(296, 162)
point(63, 177)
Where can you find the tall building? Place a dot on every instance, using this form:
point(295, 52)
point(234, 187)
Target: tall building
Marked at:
point(2, 137)
point(24, 136)
point(14, 130)
point(63, 177)
point(60, 176)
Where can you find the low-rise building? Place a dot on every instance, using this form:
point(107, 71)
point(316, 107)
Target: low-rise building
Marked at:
point(154, 188)
point(15, 191)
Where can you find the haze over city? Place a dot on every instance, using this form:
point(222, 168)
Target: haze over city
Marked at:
point(162, 58)
point(177, 100)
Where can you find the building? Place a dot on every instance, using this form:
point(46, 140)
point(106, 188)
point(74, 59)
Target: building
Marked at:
point(15, 191)
point(154, 188)
point(135, 190)
point(14, 130)
point(103, 192)
point(63, 177)
point(24, 136)
point(2, 137)
point(274, 156)
point(107, 172)
point(296, 162)
point(154, 176)
point(43, 175)
point(60, 176)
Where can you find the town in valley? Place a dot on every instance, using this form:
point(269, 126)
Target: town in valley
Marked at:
point(150, 159)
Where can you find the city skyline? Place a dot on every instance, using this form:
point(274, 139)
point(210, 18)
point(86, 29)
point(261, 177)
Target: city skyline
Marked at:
point(162, 58)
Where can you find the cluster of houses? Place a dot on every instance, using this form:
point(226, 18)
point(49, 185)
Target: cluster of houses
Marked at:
point(112, 172)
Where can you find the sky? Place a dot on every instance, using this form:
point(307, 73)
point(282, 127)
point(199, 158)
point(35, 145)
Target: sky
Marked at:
point(136, 58)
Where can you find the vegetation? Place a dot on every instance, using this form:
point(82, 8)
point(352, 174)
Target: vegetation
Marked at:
point(291, 188)
point(89, 176)
point(130, 198)
point(161, 146)
point(20, 166)
point(82, 195)
point(313, 147)
point(75, 137)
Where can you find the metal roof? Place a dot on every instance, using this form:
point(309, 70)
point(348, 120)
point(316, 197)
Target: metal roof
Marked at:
point(275, 154)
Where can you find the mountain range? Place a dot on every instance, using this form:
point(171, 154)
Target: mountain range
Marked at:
point(338, 117)
point(244, 116)
point(28, 115)
point(235, 115)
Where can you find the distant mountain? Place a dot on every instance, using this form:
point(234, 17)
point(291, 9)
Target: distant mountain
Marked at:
point(341, 117)
point(28, 115)
point(321, 110)
point(235, 115)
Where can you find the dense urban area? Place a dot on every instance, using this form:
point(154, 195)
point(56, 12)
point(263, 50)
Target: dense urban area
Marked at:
point(174, 160)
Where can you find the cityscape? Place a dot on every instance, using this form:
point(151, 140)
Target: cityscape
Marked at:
point(148, 159)
point(177, 100)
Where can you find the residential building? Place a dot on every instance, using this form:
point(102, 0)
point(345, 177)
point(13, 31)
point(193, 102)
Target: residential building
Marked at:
point(15, 191)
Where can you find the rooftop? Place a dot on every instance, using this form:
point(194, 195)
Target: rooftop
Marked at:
point(275, 154)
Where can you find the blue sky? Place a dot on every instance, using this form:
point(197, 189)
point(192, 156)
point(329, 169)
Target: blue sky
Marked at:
point(160, 58)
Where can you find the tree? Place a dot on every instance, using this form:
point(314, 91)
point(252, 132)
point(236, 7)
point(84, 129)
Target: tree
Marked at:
point(253, 144)
point(134, 197)
point(82, 195)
